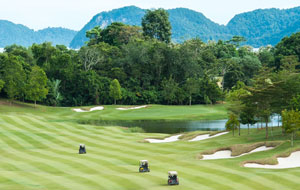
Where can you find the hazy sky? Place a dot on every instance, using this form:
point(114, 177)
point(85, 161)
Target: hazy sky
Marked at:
point(74, 14)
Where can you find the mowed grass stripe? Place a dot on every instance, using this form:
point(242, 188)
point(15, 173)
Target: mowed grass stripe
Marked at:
point(113, 156)
point(69, 159)
point(255, 178)
point(44, 156)
point(238, 186)
point(112, 164)
point(161, 174)
point(27, 157)
point(29, 170)
point(195, 171)
point(141, 179)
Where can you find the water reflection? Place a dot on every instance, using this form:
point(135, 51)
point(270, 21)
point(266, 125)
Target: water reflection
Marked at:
point(163, 126)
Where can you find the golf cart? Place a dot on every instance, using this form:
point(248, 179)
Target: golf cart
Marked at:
point(144, 166)
point(82, 149)
point(173, 180)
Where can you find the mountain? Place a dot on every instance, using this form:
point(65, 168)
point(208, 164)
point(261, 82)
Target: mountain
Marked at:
point(11, 33)
point(129, 15)
point(265, 26)
point(259, 27)
point(185, 24)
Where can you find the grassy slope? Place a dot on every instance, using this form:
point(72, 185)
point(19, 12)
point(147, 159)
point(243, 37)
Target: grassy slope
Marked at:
point(39, 151)
point(154, 112)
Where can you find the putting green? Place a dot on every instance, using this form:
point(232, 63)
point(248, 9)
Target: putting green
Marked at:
point(39, 150)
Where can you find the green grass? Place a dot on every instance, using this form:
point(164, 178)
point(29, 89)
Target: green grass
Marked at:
point(39, 152)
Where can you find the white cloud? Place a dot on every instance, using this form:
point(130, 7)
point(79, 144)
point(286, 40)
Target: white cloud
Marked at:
point(75, 14)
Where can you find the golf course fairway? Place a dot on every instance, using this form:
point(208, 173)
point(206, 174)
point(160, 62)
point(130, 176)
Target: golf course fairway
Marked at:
point(39, 151)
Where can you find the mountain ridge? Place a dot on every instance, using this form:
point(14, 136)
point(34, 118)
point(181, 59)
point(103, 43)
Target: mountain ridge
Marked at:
point(260, 27)
point(187, 23)
point(23, 35)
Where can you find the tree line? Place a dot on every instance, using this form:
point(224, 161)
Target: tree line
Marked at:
point(140, 65)
point(275, 90)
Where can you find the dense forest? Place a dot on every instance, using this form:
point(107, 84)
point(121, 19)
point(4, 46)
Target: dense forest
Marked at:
point(126, 64)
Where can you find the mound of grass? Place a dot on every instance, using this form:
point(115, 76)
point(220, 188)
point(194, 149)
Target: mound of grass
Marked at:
point(239, 149)
point(272, 160)
point(190, 135)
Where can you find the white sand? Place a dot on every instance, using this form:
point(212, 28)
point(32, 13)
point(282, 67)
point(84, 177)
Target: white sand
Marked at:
point(92, 109)
point(132, 108)
point(206, 136)
point(293, 161)
point(227, 153)
point(166, 140)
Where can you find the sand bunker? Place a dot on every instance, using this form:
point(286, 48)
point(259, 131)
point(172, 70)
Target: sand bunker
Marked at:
point(132, 108)
point(206, 136)
point(166, 140)
point(293, 161)
point(92, 109)
point(223, 154)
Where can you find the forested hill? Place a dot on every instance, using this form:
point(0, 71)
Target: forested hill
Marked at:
point(265, 26)
point(11, 33)
point(259, 27)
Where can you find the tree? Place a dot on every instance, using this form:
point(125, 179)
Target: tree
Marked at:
point(191, 87)
point(232, 123)
point(94, 35)
point(233, 75)
point(116, 34)
point(54, 94)
point(261, 97)
point(14, 77)
point(115, 90)
point(291, 122)
point(247, 116)
point(288, 46)
point(234, 99)
point(156, 25)
point(90, 56)
point(1, 84)
point(169, 90)
point(237, 40)
point(36, 88)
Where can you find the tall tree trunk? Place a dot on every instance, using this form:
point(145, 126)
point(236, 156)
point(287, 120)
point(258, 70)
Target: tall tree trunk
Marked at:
point(34, 103)
point(248, 129)
point(190, 100)
point(278, 120)
point(239, 129)
point(267, 131)
point(115, 101)
point(272, 131)
point(233, 131)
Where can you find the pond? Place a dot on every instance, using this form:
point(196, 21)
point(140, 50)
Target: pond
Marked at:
point(171, 127)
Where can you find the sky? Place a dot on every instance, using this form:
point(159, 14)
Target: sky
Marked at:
point(74, 14)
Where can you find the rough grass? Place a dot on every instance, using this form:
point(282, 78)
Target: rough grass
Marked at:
point(134, 130)
point(39, 151)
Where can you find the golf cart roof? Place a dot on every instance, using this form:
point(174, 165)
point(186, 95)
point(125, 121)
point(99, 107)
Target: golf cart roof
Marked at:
point(172, 173)
point(144, 161)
